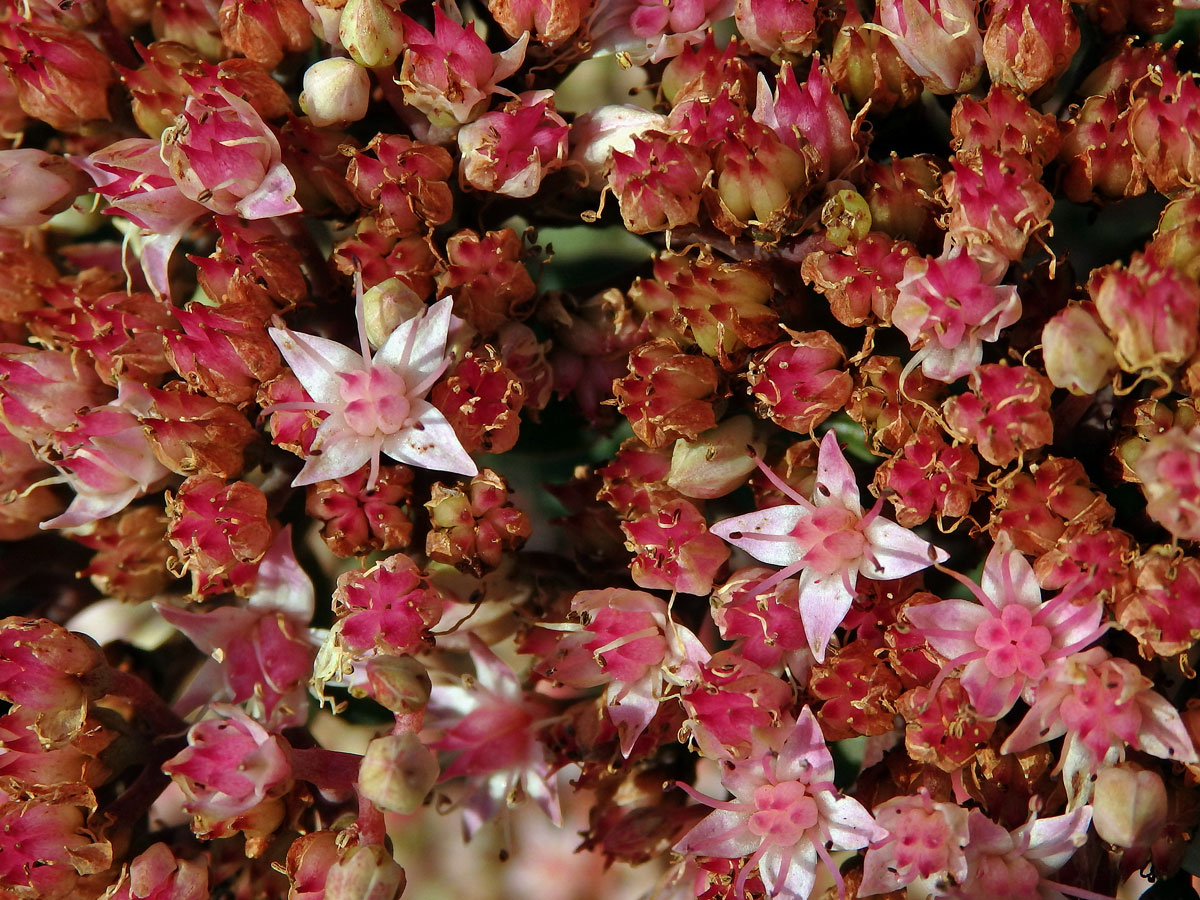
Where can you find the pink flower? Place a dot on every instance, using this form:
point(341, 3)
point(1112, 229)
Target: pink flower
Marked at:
point(157, 874)
point(449, 74)
point(225, 157)
point(493, 723)
point(509, 151)
point(234, 773)
point(786, 814)
point(948, 308)
point(830, 541)
point(109, 461)
point(137, 184)
point(1004, 864)
point(939, 39)
point(629, 642)
point(35, 186)
point(375, 404)
point(1007, 640)
point(924, 845)
point(1102, 705)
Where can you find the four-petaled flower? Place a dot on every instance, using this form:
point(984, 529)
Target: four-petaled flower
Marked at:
point(830, 541)
point(375, 403)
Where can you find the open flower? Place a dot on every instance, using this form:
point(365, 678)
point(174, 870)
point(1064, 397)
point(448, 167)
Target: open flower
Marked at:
point(375, 404)
point(830, 541)
point(784, 815)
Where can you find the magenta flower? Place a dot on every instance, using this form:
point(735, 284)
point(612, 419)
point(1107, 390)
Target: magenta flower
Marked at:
point(375, 403)
point(830, 541)
point(786, 814)
point(1007, 640)
point(492, 724)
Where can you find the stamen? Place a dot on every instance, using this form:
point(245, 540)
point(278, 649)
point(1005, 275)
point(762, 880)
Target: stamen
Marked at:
point(781, 485)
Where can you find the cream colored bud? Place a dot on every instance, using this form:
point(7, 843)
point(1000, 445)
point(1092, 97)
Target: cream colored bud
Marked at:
point(386, 305)
point(1129, 805)
point(336, 91)
point(366, 872)
point(397, 773)
point(717, 462)
point(372, 32)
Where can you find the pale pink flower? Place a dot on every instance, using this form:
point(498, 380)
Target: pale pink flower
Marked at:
point(1102, 705)
point(785, 816)
point(34, 185)
point(1017, 865)
point(108, 460)
point(492, 724)
point(938, 39)
point(924, 846)
point(1007, 640)
point(830, 541)
point(375, 404)
point(225, 157)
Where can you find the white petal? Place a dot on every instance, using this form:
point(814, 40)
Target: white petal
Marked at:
point(836, 484)
point(823, 605)
point(317, 362)
point(898, 552)
point(433, 445)
point(776, 520)
point(428, 349)
point(336, 451)
point(1021, 580)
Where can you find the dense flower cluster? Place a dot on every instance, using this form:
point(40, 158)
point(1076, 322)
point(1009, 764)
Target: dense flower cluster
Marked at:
point(752, 442)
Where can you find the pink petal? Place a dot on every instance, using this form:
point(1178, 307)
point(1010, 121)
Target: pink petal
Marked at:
point(1053, 841)
point(275, 196)
point(1163, 733)
point(778, 520)
point(897, 551)
point(992, 697)
point(316, 361)
point(1041, 724)
point(835, 476)
point(805, 751)
point(823, 605)
point(801, 872)
point(433, 446)
point(88, 507)
point(281, 583)
point(632, 713)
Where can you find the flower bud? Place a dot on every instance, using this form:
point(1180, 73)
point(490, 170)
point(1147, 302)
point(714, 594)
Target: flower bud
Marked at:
point(716, 462)
point(1129, 805)
point(597, 133)
point(398, 683)
point(777, 27)
point(365, 873)
point(34, 185)
point(1169, 469)
point(939, 39)
point(372, 31)
point(1029, 43)
point(336, 91)
point(1078, 354)
point(397, 773)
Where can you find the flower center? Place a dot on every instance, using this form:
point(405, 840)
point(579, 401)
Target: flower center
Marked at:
point(376, 401)
point(830, 539)
point(1013, 643)
point(783, 813)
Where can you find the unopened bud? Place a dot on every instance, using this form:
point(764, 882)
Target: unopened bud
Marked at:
point(1129, 805)
point(372, 32)
point(398, 683)
point(397, 772)
point(715, 463)
point(336, 91)
point(365, 873)
point(1078, 354)
point(386, 305)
